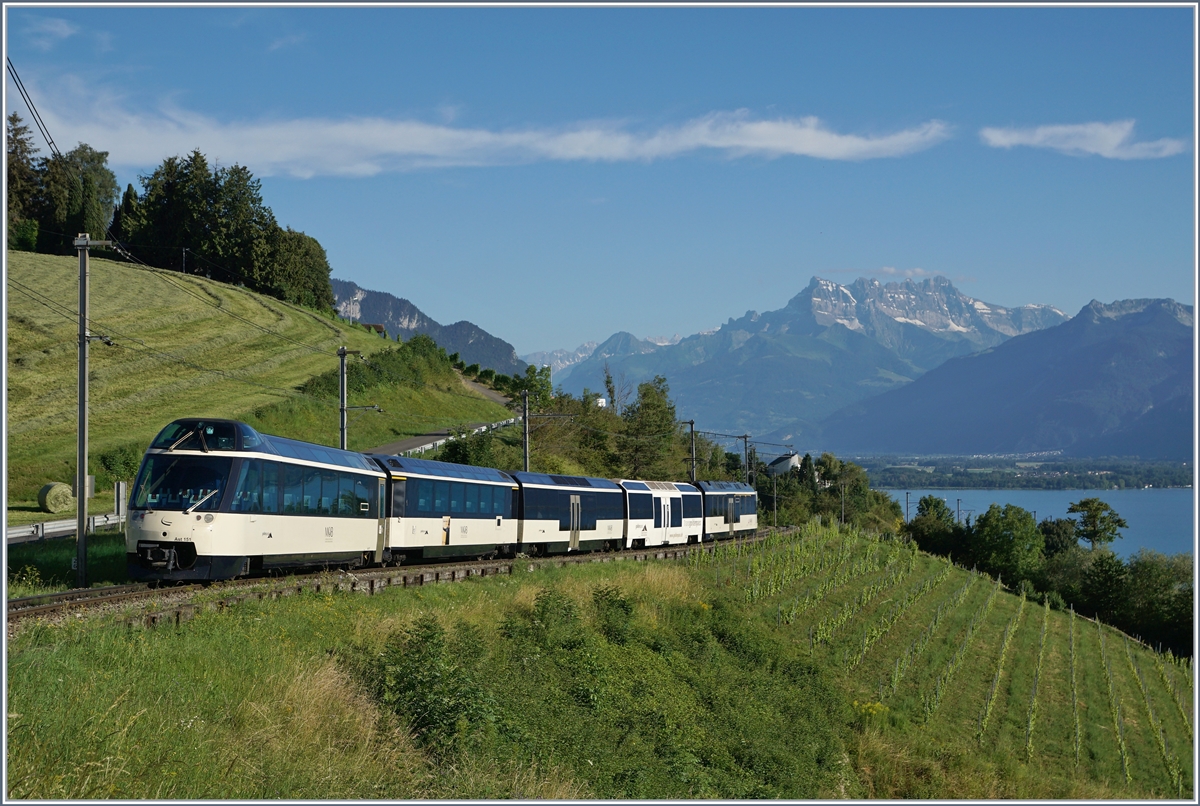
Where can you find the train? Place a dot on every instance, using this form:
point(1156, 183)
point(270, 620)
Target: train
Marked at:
point(216, 499)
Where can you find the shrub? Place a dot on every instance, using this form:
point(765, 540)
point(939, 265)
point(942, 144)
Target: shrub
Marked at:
point(613, 613)
point(429, 682)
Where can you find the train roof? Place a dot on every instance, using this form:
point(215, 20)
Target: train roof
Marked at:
point(554, 480)
point(211, 434)
point(398, 465)
point(724, 487)
point(675, 487)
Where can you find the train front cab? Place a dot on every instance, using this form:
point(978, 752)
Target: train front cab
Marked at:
point(214, 499)
point(730, 509)
point(441, 509)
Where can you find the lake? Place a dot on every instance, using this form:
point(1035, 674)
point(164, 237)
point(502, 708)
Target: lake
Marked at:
point(1159, 519)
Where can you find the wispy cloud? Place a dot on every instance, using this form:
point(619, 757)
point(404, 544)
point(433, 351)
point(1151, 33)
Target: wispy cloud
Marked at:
point(367, 146)
point(1113, 140)
point(892, 271)
point(287, 41)
point(908, 274)
point(46, 32)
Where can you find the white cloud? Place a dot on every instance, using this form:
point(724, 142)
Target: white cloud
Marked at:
point(1113, 140)
point(46, 32)
point(362, 146)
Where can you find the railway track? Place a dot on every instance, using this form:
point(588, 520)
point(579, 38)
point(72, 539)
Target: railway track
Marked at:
point(368, 581)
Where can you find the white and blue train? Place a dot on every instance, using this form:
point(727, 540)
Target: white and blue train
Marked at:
point(215, 499)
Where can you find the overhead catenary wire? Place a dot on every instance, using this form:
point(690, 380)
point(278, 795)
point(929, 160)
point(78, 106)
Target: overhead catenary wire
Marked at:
point(37, 119)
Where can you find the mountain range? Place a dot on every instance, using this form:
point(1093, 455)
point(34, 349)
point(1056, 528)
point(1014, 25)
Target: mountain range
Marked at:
point(912, 367)
point(830, 346)
point(473, 344)
point(1115, 380)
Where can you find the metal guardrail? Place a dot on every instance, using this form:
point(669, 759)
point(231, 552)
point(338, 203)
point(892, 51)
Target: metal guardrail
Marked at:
point(440, 442)
point(47, 529)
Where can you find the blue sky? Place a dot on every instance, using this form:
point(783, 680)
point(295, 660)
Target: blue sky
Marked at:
point(557, 175)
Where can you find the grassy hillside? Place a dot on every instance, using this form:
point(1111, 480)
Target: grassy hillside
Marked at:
point(186, 346)
point(826, 664)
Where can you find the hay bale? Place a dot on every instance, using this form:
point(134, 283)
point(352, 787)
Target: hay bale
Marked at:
point(56, 497)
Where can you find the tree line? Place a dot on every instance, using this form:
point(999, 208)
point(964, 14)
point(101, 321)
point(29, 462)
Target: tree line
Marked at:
point(189, 217)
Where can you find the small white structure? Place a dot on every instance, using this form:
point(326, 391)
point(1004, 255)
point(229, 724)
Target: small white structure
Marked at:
point(783, 465)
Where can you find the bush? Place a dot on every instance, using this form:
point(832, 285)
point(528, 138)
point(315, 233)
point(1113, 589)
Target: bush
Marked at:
point(613, 613)
point(23, 236)
point(430, 683)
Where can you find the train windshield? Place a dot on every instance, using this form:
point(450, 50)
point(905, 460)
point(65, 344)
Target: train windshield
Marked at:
point(178, 482)
point(197, 435)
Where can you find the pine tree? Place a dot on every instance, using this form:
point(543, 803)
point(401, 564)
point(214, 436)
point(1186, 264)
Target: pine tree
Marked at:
point(22, 177)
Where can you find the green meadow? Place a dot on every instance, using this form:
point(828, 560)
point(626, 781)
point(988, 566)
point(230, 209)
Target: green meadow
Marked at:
point(184, 346)
point(822, 663)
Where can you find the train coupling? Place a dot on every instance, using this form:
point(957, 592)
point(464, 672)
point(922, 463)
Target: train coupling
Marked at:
point(156, 555)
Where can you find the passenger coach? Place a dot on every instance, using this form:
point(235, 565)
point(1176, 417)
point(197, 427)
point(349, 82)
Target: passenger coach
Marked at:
point(568, 513)
point(730, 509)
point(661, 513)
point(439, 509)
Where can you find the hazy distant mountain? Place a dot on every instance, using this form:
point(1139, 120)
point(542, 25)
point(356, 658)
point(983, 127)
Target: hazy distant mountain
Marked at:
point(1114, 380)
point(831, 345)
point(400, 317)
point(560, 361)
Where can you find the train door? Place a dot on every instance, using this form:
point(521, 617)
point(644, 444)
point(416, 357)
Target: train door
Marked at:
point(665, 537)
point(731, 516)
point(576, 519)
point(381, 521)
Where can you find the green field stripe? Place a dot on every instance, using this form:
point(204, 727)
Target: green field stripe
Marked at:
point(990, 698)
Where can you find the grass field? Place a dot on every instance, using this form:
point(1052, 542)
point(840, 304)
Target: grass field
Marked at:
point(765, 672)
point(186, 346)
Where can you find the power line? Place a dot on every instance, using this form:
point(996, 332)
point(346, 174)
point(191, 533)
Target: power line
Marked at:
point(37, 119)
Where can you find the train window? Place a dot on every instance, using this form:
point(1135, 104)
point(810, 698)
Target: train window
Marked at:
point(247, 496)
point(347, 506)
point(677, 512)
point(658, 508)
point(485, 501)
point(398, 490)
point(641, 506)
point(363, 502)
point(312, 491)
point(471, 499)
point(329, 493)
point(270, 487)
point(293, 489)
point(441, 497)
point(691, 506)
point(504, 502)
point(456, 497)
point(424, 496)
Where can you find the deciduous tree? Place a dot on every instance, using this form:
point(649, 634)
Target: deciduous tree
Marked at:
point(1098, 522)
